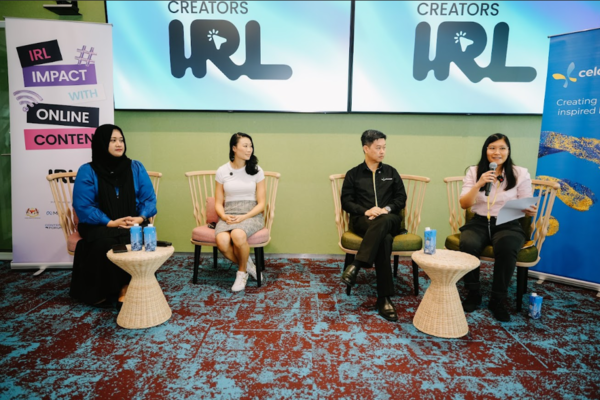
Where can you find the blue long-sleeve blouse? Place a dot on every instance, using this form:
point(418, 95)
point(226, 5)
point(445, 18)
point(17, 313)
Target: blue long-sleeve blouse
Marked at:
point(85, 195)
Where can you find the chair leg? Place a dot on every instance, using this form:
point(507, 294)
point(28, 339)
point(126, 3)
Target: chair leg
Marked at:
point(196, 263)
point(396, 260)
point(262, 258)
point(215, 256)
point(259, 255)
point(415, 277)
point(521, 286)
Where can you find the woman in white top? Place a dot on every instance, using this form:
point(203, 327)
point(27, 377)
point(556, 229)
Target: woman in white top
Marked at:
point(507, 182)
point(239, 203)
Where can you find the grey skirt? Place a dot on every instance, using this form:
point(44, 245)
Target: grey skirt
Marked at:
point(241, 207)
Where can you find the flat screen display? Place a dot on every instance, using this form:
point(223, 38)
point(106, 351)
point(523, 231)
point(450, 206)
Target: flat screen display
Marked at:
point(231, 55)
point(458, 57)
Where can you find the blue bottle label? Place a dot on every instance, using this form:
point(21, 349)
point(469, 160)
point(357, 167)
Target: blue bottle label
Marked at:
point(150, 238)
point(430, 244)
point(535, 306)
point(136, 238)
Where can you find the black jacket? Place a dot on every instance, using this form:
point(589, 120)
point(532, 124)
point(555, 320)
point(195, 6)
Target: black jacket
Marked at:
point(364, 189)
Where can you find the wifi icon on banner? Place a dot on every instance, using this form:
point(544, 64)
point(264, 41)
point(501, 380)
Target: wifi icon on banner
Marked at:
point(27, 98)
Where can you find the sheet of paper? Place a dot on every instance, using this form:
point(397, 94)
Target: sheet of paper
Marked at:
point(513, 209)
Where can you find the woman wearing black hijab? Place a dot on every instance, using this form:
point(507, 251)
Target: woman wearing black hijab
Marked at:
point(110, 195)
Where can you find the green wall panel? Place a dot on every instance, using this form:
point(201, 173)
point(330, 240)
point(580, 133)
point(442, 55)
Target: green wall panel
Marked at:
point(306, 149)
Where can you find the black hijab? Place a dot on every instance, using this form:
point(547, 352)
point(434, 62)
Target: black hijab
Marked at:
point(114, 174)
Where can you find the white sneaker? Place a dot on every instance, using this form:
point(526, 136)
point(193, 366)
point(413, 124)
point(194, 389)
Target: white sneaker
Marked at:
point(251, 269)
point(240, 281)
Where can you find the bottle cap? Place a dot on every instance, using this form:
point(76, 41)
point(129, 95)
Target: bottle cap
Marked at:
point(428, 229)
point(150, 225)
point(136, 224)
point(534, 294)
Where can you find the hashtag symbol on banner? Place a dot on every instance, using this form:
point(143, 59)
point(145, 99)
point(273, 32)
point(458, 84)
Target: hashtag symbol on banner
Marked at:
point(82, 56)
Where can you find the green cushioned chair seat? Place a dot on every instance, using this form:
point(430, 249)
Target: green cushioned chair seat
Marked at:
point(405, 242)
point(529, 254)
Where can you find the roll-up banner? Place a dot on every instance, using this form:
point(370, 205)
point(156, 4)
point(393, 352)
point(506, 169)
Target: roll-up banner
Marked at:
point(569, 153)
point(61, 86)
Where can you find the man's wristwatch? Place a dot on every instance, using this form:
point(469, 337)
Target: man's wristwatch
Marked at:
point(388, 209)
point(144, 219)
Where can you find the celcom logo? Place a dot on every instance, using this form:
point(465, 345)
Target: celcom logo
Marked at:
point(461, 43)
point(217, 41)
point(584, 73)
point(567, 78)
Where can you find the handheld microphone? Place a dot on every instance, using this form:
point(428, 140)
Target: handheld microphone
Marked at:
point(488, 186)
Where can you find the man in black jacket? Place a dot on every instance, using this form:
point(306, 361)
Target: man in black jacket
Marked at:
point(373, 194)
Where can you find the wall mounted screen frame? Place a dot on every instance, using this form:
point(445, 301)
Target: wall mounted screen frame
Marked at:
point(231, 56)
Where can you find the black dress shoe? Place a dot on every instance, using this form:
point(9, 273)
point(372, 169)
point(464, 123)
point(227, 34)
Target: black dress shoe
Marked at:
point(498, 310)
point(386, 309)
point(349, 275)
point(472, 301)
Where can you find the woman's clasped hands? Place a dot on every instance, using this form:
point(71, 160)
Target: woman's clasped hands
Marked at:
point(125, 222)
point(234, 219)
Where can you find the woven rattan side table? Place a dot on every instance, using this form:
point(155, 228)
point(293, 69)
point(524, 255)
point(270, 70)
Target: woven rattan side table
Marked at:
point(145, 304)
point(440, 312)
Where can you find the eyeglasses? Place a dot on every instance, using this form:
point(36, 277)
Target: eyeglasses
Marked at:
point(501, 149)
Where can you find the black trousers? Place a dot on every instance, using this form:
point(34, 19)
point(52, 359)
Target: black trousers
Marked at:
point(376, 247)
point(94, 276)
point(507, 240)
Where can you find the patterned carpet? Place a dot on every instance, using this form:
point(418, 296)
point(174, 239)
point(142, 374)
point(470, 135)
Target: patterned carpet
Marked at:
point(298, 337)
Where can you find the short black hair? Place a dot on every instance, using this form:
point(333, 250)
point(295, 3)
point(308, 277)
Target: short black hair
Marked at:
point(371, 135)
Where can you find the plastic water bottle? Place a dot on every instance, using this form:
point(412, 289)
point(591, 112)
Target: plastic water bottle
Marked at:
point(136, 237)
point(535, 306)
point(150, 238)
point(430, 244)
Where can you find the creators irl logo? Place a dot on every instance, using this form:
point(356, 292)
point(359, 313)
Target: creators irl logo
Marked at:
point(217, 41)
point(461, 43)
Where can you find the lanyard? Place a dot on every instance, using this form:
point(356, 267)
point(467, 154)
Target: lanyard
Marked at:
point(488, 207)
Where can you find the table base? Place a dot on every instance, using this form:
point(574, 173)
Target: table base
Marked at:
point(438, 314)
point(145, 305)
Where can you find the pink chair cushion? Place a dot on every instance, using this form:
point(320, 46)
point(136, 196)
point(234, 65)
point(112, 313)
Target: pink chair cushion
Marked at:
point(259, 237)
point(211, 213)
point(204, 234)
point(72, 241)
point(207, 235)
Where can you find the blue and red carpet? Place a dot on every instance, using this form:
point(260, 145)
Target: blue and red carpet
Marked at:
point(298, 337)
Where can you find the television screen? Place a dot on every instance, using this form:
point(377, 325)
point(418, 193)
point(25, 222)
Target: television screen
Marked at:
point(231, 55)
point(459, 57)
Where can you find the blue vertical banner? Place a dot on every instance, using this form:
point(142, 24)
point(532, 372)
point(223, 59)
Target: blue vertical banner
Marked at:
point(569, 153)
